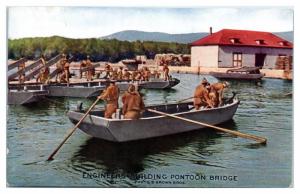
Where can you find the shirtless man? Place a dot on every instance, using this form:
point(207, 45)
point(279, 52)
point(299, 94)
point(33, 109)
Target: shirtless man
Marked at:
point(201, 97)
point(66, 73)
point(133, 104)
point(111, 96)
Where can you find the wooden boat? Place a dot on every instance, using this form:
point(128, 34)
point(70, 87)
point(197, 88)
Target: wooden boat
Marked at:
point(244, 73)
point(75, 91)
point(151, 124)
point(152, 84)
point(80, 90)
point(24, 97)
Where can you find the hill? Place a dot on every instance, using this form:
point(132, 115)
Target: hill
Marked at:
point(134, 35)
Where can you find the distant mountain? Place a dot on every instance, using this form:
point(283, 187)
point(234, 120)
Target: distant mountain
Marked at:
point(133, 35)
point(289, 35)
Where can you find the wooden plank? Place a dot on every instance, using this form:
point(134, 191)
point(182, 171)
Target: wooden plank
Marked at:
point(16, 64)
point(29, 67)
point(48, 64)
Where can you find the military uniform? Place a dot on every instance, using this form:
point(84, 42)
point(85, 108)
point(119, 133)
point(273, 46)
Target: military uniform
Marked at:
point(111, 96)
point(133, 104)
point(201, 96)
point(166, 72)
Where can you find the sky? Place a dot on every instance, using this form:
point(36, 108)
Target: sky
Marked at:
point(87, 22)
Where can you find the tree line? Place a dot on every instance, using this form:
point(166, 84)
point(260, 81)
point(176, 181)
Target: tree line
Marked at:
point(99, 50)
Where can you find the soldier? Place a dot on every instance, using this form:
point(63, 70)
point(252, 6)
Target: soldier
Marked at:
point(120, 73)
point(133, 104)
point(21, 68)
point(107, 70)
point(111, 96)
point(114, 74)
point(201, 97)
point(91, 70)
point(60, 67)
point(166, 72)
point(42, 71)
point(126, 75)
point(65, 77)
point(146, 74)
point(218, 89)
point(82, 65)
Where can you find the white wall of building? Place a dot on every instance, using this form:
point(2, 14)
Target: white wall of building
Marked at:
point(205, 56)
point(248, 55)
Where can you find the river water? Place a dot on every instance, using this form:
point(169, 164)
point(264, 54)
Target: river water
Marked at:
point(196, 159)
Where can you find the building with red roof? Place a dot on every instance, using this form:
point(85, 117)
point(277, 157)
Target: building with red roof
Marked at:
point(240, 48)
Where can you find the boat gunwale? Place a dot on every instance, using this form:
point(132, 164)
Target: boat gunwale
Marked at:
point(236, 101)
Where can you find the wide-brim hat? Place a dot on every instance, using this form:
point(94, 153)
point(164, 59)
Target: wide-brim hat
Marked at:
point(204, 81)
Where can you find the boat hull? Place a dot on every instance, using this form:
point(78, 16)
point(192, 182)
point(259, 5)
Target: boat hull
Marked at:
point(75, 91)
point(237, 76)
point(124, 130)
point(15, 97)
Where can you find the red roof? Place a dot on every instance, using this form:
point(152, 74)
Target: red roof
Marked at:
point(230, 37)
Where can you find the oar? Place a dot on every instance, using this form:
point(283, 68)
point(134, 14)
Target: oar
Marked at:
point(184, 99)
point(236, 133)
point(72, 131)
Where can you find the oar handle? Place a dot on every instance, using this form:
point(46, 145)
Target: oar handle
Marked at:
point(261, 140)
point(72, 131)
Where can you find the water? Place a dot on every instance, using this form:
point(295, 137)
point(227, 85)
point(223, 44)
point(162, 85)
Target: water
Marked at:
point(173, 161)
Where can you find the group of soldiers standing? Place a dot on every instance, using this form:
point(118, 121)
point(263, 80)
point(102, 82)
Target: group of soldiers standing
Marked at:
point(133, 104)
point(209, 95)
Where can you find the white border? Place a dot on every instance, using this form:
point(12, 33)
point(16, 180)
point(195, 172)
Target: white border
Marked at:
point(142, 3)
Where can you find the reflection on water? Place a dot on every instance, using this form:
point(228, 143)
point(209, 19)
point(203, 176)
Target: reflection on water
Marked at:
point(128, 157)
point(34, 131)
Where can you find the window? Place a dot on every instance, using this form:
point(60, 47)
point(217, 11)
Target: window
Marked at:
point(237, 59)
point(283, 43)
point(260, 42)
point(235, 40)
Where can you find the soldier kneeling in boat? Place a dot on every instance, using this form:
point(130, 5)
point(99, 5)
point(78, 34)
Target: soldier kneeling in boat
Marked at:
point(111, 96)
point(201, 95)
point(133, 104)
point(217, 92)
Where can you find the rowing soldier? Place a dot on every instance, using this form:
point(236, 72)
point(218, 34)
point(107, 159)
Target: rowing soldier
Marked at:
point(111, 96)
point(201, 97)
point(133, 104)
point(218, 89)
point(166, 72)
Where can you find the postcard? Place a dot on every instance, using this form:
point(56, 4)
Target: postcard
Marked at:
point(150, 97)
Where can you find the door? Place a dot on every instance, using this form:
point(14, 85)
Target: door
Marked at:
point(260, 59)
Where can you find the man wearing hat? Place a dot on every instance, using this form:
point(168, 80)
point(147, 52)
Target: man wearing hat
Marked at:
point(133, 104)
point(219, 88)
point(111, 96)
point(201, 97)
